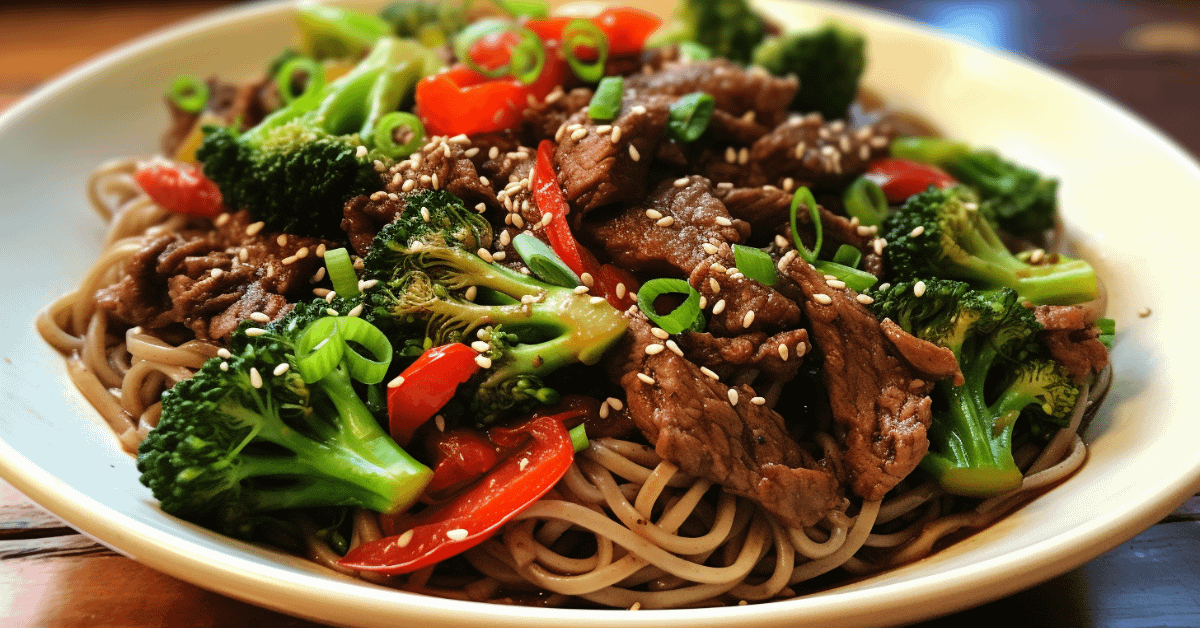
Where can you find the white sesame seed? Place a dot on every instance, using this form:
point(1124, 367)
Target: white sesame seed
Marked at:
point(603, 128)
point(714, 285)
point(646, 379)
point(255, 331)
point(216, 272)
point(579, 134)
point(581, 289)
point(330, 296)
point(638, 110)
point(546, 218)
point(1037, 256)
point(878, 141)
point(719, 268)
point(783, 352)
point(222, 219)
point(799, 152)
point(484, 180)
point(281, 368)
point(457, 534)
point(654, 349)
point(483, 361)
point(703, 302)
point(408, 185)
point(748, 319)
point(653, 214)
point(259, 317)
point(320, 251)
point(395, 383)
point(710, 373)
point(331, 312)
point(674, 348)
point(837, 284)
point(681, 182)
point(404, 539)
point(518, 221)
point(733, 397)
point(616, 404)
point(730, 155)
point(302, 253)
point(616, 134)
point(919, 289)
point(587, 280)
point(224, 353)
point(621, 290)
point(709, 248)
point(281, 240)
point(574, 127)
point(604, 410)
point(485, 255)
point(471, 152)
point(719, 306)
point(634, 154)
point(355, 311)
point(917, 231)
point(864, 299)
point(499, 256)
point(758, 401)
point(665, 221)
point(723, 221)
point(291, 259)
point(596, 300)
point(743, 156)
point(823, 299)
point(243, 254)
point(660, 333)
point(224, 366)
point(255, 378)
point(255, 227)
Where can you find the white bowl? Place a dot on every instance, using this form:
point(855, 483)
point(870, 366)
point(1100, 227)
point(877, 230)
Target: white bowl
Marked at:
point(1129, 198)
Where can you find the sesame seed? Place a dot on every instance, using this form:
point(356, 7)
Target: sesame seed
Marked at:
point(483, 361)
point(518, 221)
point(743, 156)
point(719, 306)
point(331, 312)
point(884, 286)
point(733, 397)
point(259, 317)
point(355, 311)
point(484, 180)
point(330, 296)
point(665, 221)
point(638, 110)
point(788, 184)
point(222, 219)
point(723, 221)
point(581, 289)
point(823, 299)
point(485, 255)
point(456, 534)
point(748, 318)
point(281, 368)
point(844, 144)
point(480, 346)
point(546, 218)
point(395, 383)
point(710, 373)
point(439, 422)
point(604, 410)
point(255, 331)
point(653, 214)
point(783, 352)
point(654, 349)
point(1037, 256)
point(730, 155)
point(674, 348)
point(718, 267)
point(1143, 312)
point(878, 141)
point(864, 152)
point(255, 227)
point(837, 284)
point(499, 256)
point(919, 289)
point(562, 128)
point(703, 302)
point(255, 378)
point(603, 128)
point(281, 240)
point(470, 293)
point(579, 134)
point(587, 280)
point(709, 248)
point(800, 148)
point(291, 259)
point(216, 272)
point(243, 254)
point(224, 366)
point(878, 245)
point(621, 290)
point(616, 404)
point(864, 299)
point(471, 152)
point(646, 379)
point(574, 127)
point(681, 182)
point(616, 134)
point(634, 154)
point(404, 539)
point(917, 231)
point(716, 287)
point(408, 185)
point(596, 300)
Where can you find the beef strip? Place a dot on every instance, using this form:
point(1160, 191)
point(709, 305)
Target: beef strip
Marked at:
point(731, 297)
point(928, 360)
point(735, 91)
point(881, 408)
point(443, 164)
point(742, 446)
point(818, 154)
point(543, 119)
point(210, 281)
point(1072, 340)
point(666, 232)
point(778, 357)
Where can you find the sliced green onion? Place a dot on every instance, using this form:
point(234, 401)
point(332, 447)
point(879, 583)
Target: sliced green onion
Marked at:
point(579, 439)
point(693, 51)
point(855, 279)
point(528, 57)
point(582, 33)
point(313, 84)
point(928, 150)
point(1108, 331)
point(467, 37)
point(606, 102)
point(683, 318)
point(525, 8)
point(804, 196)
point(319, 349)
point(384, 135)
point(544, 263)
point(866, 201)
point(189, 93)
point(368, 370)
point(755, 264)
point(690, 116)
point(341, 272)
point(846, 256)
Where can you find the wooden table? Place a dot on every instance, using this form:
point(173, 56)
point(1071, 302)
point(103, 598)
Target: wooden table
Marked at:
point(1145, 54)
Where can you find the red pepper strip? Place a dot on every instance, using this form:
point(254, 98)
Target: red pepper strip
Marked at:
point(461, 100)
point(460, 457)
point(180, 188)
point(901, 178)
point(444, 530)
point(626, 28)
point(427, 385)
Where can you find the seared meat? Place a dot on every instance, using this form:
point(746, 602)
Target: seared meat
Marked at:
point(739, 304)
point(925, 358)
point(1072, 340)
point(778, 357)
point(818, 154)
point(735, 90)
point(716, 432)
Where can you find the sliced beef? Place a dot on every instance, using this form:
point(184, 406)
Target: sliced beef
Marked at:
point(210, 281)
point(881, 408)
point(601, 164)
point(363, 216)
point(667, 232)
point(815, 153)
point(1072, 340)
point(735, 300)
point(696, 423)
point(443, 164)
point(735, 90)
point(543, 119)
point(764, 207)
point(928, 360)
point(726, 128)
point(778, 357)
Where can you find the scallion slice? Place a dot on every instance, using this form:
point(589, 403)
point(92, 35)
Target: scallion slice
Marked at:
point(606, 102)
point(579, 439)
point(685, 317)
point(846, 256)
point(189, 93)
point(866, 201)
point(313, 83)
point(473, 33)
point(356, 332)
point(528, 57)
point(755, 264)
point(855, 279)
point(319, 349)
point(384, 135)
point(583, 34)
point(341, 272)
point(690, 115)
point(693, 51)
point(544, 263)
point(803, 196)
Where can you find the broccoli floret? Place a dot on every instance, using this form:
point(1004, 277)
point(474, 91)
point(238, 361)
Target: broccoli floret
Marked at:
point(828, 60)
point(241, 438)
point(296, 168)
point(335, 33)
point(1015, 198)
point(431, 23)
point(431, 276)
point(727, 28)
point(994, 338)
point(940, 233)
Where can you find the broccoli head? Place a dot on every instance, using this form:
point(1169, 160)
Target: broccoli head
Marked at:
point(828, 60)
point(940, 233)
point(247, 435)
point(431, 23)
point(727, 28)
point(994, 338)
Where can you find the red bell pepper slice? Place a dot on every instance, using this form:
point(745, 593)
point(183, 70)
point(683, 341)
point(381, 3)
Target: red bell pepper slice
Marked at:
point(626, 28)
point(181, 188)
point(426, 386)
point(460, 457)
point(901, 178)
point(543, 453)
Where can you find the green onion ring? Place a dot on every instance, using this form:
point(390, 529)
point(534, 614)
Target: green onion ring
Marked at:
point(846, 255)
point(384, 135)
point(755, 264)
point(583, 33)
point(473, 33)
point(368, 370)
point(606, 102)
point(864, 200)
point(341, 272)
point(544, 263)
point(528, 57)
point(693, 51)
point(683, 318)
point(283, 78)
point(579, 439)
point(189, 93)
point(319, 349)
point(804, 196)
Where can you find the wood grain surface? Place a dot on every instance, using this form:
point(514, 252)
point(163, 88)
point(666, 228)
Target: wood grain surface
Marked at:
point(51, 576)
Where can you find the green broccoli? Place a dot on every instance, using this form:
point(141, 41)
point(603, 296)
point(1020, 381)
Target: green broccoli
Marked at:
point(335, 33)
point(296, 168)
point(994, 338)
point(1015, 198)
point(727, 28)
point(431, 23)
point(828, 60)
point(247, 436)
point(429, 273)
point(941, 233)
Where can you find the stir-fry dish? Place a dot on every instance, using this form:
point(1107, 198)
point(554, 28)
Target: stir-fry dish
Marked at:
point(607, 311)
